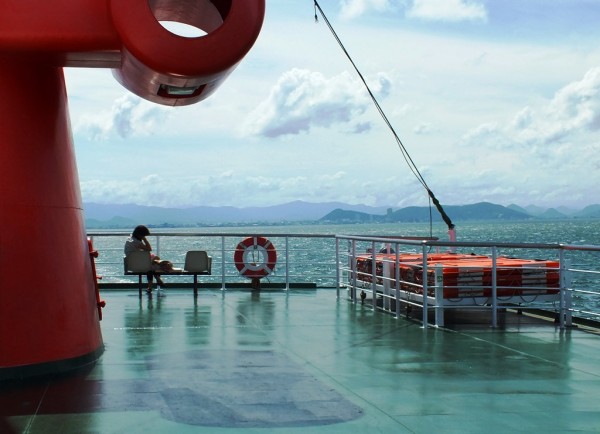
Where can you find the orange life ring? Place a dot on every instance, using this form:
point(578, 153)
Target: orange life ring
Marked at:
point(255, 257)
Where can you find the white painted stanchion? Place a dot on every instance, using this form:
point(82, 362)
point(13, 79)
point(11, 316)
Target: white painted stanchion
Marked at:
point(439, 295)
point(424, 257)
point(494, 287)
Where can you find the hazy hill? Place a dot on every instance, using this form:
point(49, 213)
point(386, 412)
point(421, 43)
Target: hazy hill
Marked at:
point(546, 213)
point(347, 216)
point(552, 213)
point(566, 210)
point(128, 216)
point(591, 211)
point(123, 216)
point(478, 211)
point(518, 208)
point(534, 210)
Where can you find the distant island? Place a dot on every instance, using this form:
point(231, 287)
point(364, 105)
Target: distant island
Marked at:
point(478, 211)
point(106, 216)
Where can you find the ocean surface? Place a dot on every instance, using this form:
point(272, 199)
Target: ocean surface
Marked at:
point(314, 255)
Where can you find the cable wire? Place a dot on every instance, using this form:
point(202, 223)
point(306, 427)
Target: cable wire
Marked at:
point(409, 161)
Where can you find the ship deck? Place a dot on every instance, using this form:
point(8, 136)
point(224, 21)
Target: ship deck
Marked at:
point(302, 361)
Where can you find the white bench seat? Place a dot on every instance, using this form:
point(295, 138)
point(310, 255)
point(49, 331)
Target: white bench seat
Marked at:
point(139, 263)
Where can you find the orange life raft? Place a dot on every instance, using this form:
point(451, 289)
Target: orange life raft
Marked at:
point(465, 275)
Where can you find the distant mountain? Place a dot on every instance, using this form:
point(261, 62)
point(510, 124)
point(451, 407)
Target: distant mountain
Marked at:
point(546, 213)
point(591, 211)
point(534, 210)
point(478, 211)
point(128, 216)
point(347, 216)
point(123, 216)
point(518, 208)
point(566, 210)
point(552, 213)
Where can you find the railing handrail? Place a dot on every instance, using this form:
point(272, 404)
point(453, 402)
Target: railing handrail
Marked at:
point(450, 244)
point(221, 246)
point(214, 234)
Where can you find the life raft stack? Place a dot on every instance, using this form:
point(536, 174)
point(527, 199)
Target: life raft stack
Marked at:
point(465, 278)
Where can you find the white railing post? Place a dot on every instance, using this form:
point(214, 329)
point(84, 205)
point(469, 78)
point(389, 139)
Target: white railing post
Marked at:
point(568, 295)
point(565, 275)
point(287, 263)
point(561, 288)
point(425, 289)
point(398, 277)
point(337, 268)
point(354, 271)
point(386, 277)
point(373, 276)
point(439, 295)
point(222, 263)
point(494, 287)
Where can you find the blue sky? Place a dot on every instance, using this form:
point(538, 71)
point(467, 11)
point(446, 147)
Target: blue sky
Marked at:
point(494, 100)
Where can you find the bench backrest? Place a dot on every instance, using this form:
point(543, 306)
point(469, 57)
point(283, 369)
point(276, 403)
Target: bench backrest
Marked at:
point(197, 261)
point(138, 262)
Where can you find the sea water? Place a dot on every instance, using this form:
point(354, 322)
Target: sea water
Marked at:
point(571, 231)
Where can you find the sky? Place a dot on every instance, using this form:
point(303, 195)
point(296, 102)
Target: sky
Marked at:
point(494, 100)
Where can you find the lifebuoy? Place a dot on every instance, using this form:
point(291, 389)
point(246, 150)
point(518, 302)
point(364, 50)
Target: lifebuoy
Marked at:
point(255, 257)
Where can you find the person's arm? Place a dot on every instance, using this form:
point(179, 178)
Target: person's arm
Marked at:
point(146, 244)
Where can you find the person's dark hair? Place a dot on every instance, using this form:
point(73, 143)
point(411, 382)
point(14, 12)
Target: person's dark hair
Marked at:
point(140, 232)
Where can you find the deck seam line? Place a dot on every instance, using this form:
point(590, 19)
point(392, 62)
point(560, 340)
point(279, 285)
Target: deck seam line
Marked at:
point(37, 409)
point(514, 350)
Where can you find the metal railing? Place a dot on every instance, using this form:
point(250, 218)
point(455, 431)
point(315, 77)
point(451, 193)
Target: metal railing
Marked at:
point(329, 261)
point(301, 258)
point(577, 291)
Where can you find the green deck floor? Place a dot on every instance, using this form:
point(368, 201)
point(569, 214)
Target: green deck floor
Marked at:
point(302, 361)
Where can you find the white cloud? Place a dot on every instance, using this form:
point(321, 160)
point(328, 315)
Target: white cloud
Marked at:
point(240, 191)
point(448, 10)
point(129, 116)
point(302, 100)
point(423, 128)
point(537, 153)
point(573, 110)
point(355, 8)
point(577, 105)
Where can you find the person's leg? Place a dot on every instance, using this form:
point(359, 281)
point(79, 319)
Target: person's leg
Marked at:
point(150, 277)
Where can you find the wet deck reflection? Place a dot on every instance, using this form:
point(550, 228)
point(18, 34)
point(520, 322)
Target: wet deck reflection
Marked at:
point(303, 361)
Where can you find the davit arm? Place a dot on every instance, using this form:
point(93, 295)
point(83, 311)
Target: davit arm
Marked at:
point(48, 316)
point(126, 35)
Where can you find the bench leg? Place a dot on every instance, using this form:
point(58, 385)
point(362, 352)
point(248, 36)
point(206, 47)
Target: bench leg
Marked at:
point(140, 285)
point(195, 285)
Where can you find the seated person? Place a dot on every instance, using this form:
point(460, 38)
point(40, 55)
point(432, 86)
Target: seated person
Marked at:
point(138, 241)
